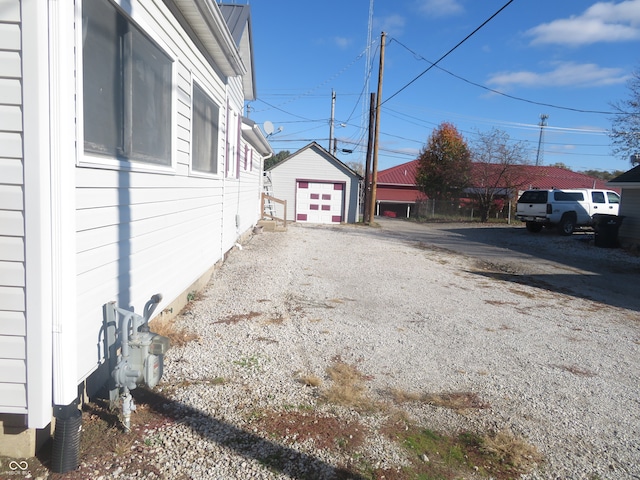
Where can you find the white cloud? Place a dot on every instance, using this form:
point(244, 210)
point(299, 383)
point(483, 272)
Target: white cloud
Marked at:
point(392, 24)
point(602, 22)
point(564, 74)
point(440, 8)
point(342, 42)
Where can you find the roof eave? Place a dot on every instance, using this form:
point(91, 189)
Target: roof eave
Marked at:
point(624, 184)
point(209, 25)
point(253, 135)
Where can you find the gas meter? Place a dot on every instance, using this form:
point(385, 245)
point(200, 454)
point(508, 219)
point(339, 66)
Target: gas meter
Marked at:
point(141, 354)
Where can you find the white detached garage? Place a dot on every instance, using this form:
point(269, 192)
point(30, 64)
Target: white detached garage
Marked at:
point(319, 187)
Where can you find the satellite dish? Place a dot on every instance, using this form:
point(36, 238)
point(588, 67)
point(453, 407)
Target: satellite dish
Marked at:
point(268, 127)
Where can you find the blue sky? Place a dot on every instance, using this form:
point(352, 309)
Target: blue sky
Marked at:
point(566, 59)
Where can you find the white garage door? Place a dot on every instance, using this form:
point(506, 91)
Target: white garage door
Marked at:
point(319, 202)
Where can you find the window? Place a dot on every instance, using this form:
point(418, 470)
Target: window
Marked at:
point(597, 197)
point(533, 196)
point(560, 196)
point(613, 197)
point(205, 132)
point(127, 88)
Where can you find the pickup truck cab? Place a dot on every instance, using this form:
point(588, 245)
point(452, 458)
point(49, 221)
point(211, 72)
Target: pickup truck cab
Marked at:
point(565, 209)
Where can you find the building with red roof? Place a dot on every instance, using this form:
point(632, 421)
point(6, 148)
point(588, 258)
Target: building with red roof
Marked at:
point(397, 192)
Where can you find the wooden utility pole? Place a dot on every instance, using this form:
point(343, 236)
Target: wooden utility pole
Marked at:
point(367, 168)
point(374, 169)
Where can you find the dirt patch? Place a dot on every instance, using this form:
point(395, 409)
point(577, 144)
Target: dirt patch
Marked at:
point(240, 317)
point(326, 432)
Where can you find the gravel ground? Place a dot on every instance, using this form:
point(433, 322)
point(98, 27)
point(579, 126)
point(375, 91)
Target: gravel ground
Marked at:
point(556, 369)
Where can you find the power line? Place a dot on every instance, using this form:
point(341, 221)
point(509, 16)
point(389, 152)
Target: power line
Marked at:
point(497, 92)
point(451, 50)
point(336, 75)
point(284, 111)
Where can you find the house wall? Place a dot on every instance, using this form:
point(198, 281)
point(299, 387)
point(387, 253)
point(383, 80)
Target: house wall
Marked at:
point(135, 229)
point(241, 183)
point(312, 164)
point(144, 232)
point(13, 372)
point(629, 233)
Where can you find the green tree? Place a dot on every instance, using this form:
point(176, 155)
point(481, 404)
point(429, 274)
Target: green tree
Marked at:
point(444, 164)
point(625, 126)
point(498, 169)
point(277, 158)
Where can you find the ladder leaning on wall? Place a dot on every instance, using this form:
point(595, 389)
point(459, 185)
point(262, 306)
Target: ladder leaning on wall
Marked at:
point(269, 208)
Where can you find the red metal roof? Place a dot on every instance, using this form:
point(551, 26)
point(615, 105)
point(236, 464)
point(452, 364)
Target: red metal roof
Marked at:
point(404, 174)
point(408, 194)
point(543, 177)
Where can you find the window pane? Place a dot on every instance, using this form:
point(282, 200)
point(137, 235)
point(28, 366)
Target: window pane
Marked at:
point(103, 89)
point(205, 132)
point(597, 197)
point(127, 88)
point(151, 97)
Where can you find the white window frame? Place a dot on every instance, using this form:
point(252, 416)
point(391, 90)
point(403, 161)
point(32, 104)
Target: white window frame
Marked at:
point(219, 173)
point(97, 160)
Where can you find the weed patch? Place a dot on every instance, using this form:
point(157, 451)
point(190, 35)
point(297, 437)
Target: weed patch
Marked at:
point(252, 362)
point(511, 452)
point(231, 319)
point(435, 455)
point(347, 387)
point(177, 336)
point(457, 401)
point(309, 380)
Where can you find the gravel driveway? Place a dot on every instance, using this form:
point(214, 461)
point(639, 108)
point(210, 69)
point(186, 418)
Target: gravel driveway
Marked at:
point(539, 329)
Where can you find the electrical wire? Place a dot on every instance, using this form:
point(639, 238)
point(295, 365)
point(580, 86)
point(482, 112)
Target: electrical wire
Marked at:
point(333, 77)
point(451, 50)
point(284, 111)
point(497, 92)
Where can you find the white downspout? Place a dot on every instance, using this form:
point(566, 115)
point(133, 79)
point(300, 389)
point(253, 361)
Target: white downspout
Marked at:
point(62, 85)
point(35, 108)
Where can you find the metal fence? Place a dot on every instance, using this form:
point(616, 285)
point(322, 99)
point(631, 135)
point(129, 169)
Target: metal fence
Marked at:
point(462, 209)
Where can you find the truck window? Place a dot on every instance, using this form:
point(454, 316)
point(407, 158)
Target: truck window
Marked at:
point(533, 196)
point(613, 197)
point(597, 197)
point(561, 196)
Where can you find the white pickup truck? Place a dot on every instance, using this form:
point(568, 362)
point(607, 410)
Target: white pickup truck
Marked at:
point(565, 209)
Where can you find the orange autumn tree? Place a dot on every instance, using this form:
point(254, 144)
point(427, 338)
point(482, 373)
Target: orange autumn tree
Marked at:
point(444, 164)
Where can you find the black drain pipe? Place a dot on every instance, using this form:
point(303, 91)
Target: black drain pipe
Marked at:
point(65, 456)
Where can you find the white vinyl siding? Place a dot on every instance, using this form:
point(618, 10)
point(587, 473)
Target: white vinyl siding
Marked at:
point(133, 232)
point(141, 233)
point(13, 397)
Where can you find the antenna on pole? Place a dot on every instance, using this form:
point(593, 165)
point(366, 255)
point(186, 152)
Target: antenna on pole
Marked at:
point(332, 148)
point(364, 120)
point(543, 123)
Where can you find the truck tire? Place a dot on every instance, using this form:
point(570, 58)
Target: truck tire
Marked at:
point(567, 224)
point(533, 227)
